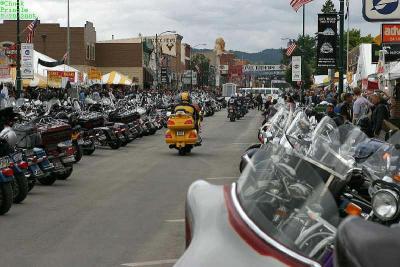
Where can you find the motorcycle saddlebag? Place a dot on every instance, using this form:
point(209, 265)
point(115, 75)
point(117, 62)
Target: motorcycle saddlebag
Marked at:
point(55, 134)
point(92, 122)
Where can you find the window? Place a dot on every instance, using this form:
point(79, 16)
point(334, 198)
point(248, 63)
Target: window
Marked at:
point(87, 51)
point(93, 52)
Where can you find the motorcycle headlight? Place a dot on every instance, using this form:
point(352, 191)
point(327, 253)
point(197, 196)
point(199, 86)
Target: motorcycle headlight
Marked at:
point(385, 204)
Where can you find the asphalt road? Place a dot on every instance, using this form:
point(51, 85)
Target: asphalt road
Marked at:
point(122, 208)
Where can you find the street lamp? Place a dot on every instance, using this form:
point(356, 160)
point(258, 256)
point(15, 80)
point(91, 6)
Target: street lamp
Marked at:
point(191, 71)
point(157, 63)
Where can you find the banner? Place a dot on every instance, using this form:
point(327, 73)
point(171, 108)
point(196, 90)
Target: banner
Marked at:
point(377, 10)
point(27, 71)
point(94, 74)
point(263, 68)
point(327, 40)
point(55, 78)
point(380, 68)
point(296, 69)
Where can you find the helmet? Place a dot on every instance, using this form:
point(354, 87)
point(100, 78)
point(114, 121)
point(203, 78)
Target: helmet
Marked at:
point(185, 97)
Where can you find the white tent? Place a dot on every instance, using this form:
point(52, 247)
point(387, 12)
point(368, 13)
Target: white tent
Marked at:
point(364, 67)
point(42, 70)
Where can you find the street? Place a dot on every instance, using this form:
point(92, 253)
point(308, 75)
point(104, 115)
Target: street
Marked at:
point(122, 207)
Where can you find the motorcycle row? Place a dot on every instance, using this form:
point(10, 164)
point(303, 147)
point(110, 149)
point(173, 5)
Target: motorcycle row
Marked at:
point(41, 141)
point(330, 192)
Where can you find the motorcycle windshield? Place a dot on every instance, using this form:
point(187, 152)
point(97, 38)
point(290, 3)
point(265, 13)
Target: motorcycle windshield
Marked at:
point(384, 162)
point(278, 122)
point(298, 134)
point(351, 138)
point(285, 196)
point(325, 148)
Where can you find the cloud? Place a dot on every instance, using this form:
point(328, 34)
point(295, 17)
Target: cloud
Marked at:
point(247, 25)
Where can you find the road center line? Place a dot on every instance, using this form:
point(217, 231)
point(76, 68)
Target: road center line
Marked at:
point(149, 263)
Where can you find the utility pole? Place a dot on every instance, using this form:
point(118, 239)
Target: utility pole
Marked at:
point(303, 56)
point(18, 82)
point(156, 61)
point(68, 40)
point(341, 48)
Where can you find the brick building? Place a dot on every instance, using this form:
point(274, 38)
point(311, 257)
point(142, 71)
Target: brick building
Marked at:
point(51, 39)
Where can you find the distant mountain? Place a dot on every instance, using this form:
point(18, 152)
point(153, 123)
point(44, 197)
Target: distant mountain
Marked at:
point(265, 57)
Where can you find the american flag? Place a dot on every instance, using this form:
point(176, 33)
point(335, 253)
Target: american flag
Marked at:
point(296, 4)
point(291, 48)
point(31, 28)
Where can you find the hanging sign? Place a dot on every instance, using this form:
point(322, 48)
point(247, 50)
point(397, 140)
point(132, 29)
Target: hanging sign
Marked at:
point(296, 69)
point(27, 71)
point(327, 40)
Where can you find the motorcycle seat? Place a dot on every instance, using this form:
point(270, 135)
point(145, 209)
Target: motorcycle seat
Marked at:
point(109, 124)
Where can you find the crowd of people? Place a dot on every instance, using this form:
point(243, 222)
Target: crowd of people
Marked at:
point(370, 112)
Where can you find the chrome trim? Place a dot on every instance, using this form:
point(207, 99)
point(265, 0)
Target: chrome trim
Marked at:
point(265, 237)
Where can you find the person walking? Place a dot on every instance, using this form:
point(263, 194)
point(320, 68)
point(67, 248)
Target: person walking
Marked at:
point(291, 104)
point(346, 107)
point(259, 101)
point(380, 113)
point(361, 105)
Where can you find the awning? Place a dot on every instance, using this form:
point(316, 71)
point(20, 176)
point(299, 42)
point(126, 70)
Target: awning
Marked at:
point(115, 78)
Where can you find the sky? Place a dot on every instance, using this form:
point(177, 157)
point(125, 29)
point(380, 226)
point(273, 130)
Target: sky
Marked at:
point(246, 25)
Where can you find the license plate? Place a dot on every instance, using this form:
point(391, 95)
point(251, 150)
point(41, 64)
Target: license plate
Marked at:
point(180, 133)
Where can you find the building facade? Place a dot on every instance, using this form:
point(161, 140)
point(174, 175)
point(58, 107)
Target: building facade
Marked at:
point(133, 57)
point(51, 39)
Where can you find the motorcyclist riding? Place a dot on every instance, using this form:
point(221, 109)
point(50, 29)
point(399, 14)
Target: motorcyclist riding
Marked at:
point(186, 105)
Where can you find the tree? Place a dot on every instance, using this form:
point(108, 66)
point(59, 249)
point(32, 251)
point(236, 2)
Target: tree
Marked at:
point(328, 7)
point(307, 50)
point(355, 38)
point(201, 65)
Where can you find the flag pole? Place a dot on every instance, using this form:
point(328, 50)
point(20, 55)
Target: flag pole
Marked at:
point(18, 80)
point(348, 36)
point(341, 48)
point(68, 38)
point(303, 55)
